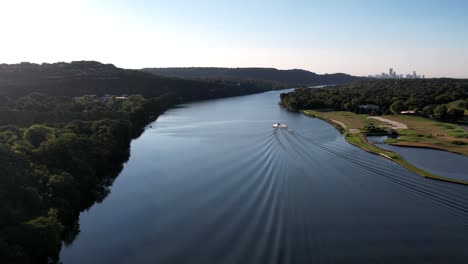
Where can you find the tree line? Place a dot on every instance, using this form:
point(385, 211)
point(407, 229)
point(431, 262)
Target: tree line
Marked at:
point(269, 76)
point(445, 99)
point(52, 171)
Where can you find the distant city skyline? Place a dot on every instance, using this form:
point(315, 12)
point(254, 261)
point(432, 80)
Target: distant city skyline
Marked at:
point(355, 37)
point(392, 74)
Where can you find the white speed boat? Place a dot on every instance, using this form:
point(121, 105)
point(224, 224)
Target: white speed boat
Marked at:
point(279, 125)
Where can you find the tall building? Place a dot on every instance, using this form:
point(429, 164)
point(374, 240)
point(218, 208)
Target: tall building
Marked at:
point(392, 74)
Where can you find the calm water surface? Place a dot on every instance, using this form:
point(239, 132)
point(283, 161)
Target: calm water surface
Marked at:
point(212, 182)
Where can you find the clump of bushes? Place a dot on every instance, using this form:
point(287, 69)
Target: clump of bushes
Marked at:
point(371, 129)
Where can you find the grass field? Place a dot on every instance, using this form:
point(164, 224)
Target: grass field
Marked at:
point(351, 120)
point(423, 132)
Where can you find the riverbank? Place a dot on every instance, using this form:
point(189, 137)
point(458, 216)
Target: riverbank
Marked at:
point(352, 126)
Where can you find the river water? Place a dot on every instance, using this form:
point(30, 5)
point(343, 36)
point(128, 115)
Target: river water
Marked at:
point(213, 182)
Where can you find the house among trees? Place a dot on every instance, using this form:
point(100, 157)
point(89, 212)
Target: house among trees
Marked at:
point(370, 107)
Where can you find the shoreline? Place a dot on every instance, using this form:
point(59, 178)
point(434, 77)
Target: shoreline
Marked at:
point(359, 140)
point(397, 144)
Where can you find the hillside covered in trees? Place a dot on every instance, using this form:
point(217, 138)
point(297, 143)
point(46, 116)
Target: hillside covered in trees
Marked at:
point(445, 99)
point(65, 131)
point(90, 77)
point(283, 78)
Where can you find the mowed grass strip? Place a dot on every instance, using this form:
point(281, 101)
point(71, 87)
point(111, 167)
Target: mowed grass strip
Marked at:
point(351, 120)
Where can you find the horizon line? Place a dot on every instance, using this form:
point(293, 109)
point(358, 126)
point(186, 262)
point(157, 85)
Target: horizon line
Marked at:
point(224, 67)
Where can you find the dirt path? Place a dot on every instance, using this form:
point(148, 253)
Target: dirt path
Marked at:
point(351, 130)
point(394, 124)
point(340, 123)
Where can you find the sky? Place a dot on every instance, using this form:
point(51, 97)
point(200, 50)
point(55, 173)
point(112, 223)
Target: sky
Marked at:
point(358, 37)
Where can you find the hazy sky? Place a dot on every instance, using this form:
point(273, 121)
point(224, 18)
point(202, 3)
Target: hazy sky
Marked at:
point(357, 37)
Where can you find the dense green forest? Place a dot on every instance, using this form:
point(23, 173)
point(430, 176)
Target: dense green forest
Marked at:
point(267, 76)
point(89, 77)
point(65, 131)
point(445, 99)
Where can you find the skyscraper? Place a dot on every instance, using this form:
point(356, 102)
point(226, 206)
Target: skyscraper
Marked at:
point(392, 74)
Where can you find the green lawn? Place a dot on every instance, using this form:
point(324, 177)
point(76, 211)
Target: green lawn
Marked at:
point(351, 120)
point(423, 132)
